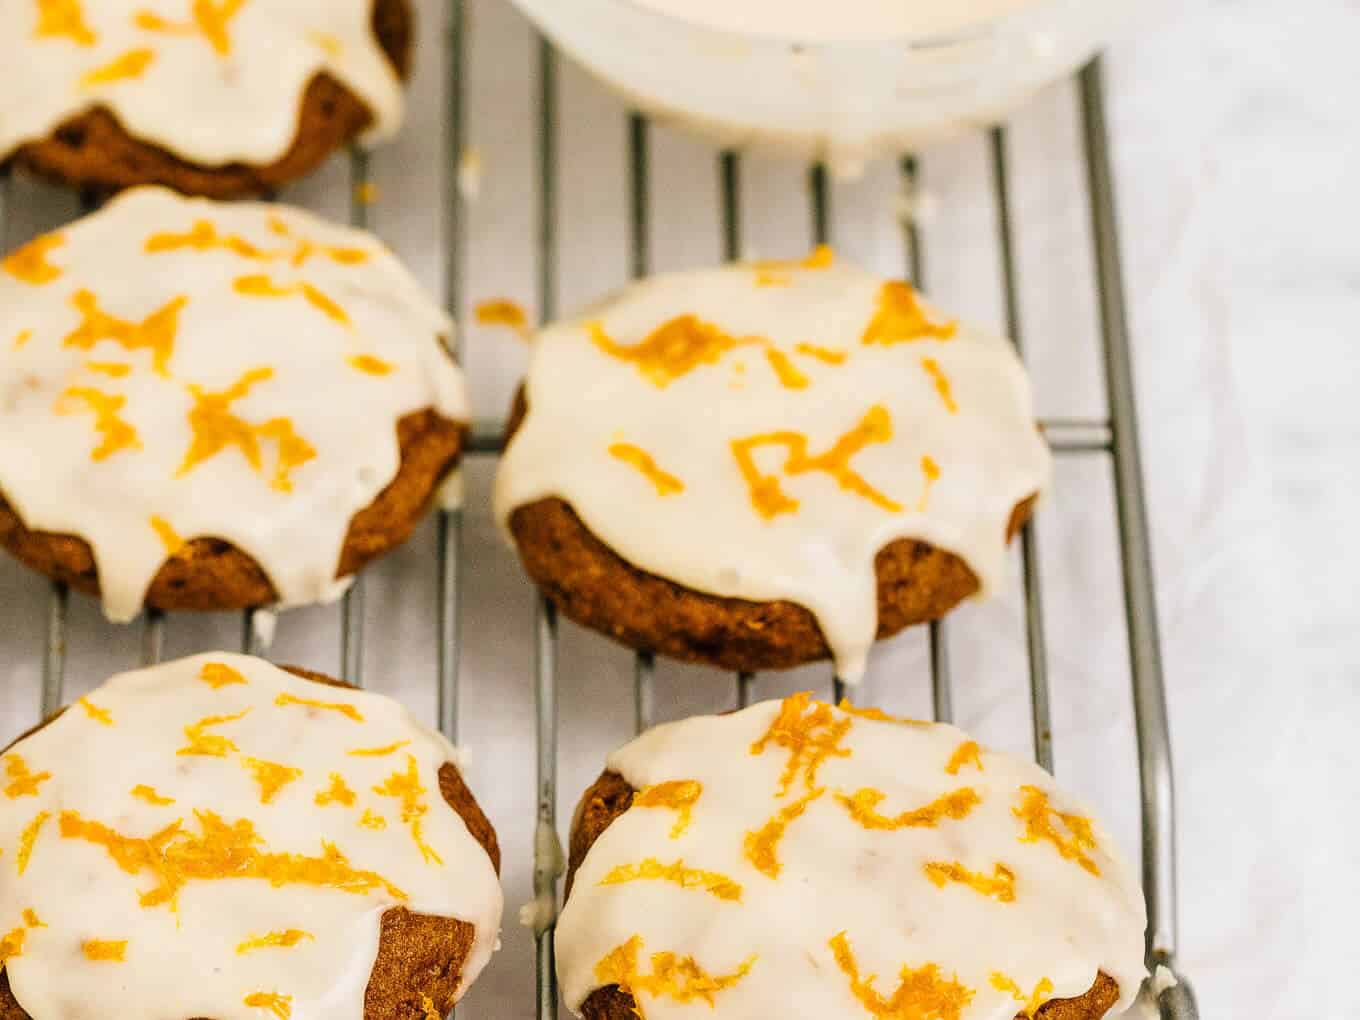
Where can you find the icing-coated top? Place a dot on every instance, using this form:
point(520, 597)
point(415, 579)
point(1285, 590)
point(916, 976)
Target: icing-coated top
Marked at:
point(762, 431)
point(174, 368)
point(215, 837)
point(803, 861)
point(212, 81)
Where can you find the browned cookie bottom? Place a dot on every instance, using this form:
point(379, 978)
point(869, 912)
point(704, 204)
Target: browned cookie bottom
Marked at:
point(610, 796)
point(418, 954)
point(211, 574)
point(93, 150)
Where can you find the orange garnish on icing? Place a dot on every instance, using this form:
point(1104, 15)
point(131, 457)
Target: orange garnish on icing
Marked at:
point(1000, 886)
point(22, 782)
point(679, 795)
point(785, 370)
point(941, 382)
point(218, 675)
point(923, 993)
point(878, 715)
point(1030, 1004)
point(779, 272)
point(761, 846)
point(28, 838)
point(31, 919)
point(378, 752)
point(304, 249)
point(931, 471)
point(211, 20)
point(826, 355)
point(155, 333)
point(271, 776)
point(275, 939)
point(666, 484)
point(117, 433)
point(12, 945)
point(768, 496)
point(810, 736)
point(280, 1005)
point(371, 821)
point(337, 793)
point(112, 369)
point(29, 264)
point(967, 753)
point(99, 715)
point(132, 64)
point(370, 365)
point(203, 236)
point(406, 787)
point(261, 286)
point(215, 429)
point(675, 977)
point(862, 806)
point(143, 792)
point(1038, 814)
point(167, 534)
point(651, 869)
point(900, 319)
point(22, 338)
point(348, 711)
point(58, 19)
point(174, 858)
point(104, 950)
point(503, 312)
point(209, 745)
point(674, 349)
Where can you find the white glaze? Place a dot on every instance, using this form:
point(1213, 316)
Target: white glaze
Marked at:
point(709, 536)
point(206, 106)
point(1064, 923)
point(184, 962)
point(347, 416)
point(852, 19)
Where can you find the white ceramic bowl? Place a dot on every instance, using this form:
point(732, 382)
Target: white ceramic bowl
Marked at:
point(846, 94)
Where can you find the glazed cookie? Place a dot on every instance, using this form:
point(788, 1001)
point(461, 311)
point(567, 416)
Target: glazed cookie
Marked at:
point(814, 862)
point(207, 406)
point(764, 465)
point(218, 837)
point(211, 97)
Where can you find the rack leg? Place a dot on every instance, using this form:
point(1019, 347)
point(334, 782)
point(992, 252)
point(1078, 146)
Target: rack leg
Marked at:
point(54, 659)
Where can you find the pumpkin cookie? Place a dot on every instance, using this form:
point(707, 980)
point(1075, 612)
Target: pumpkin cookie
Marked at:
point(800, 860)
point(207, 406)
point(220, 98)
point(767, 464)
point(218, 837)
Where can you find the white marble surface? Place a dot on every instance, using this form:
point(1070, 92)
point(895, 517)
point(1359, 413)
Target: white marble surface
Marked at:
point(1237, 141)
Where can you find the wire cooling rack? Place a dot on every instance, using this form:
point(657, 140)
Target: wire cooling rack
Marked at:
point(1114, 437)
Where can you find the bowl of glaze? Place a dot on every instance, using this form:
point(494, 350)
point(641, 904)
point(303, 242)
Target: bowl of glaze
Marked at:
point(840, 80)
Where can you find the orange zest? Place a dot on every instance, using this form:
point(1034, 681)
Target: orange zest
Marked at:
point(370, 365)
point(503, 312)
point(209, 745)
point(211, 20)
point(280, 1005)
point(779, 272)
point(215, 428)
point(679, 795)
point(650, 869)
point(878, 715)
point(378, 752)
point(99, 715)
point(261, 286)
point(863, 804)
point(12, 944)
point(348, 711)
point(271, 776)
point(406, 788)
point(30, 264)
point(811, 734)
point(116, 433)
point(218, 675)
point(941, 382)
point(922, 993)
point(337, 793)
point(203, 236)
point(124, 67)
point(156, 333)
point(148, 794)
point(28, 838)
point(31, 919)
point(1000, 885)
point(371, 821)
point(63, 19)
point(274, 939)
point(174, 857)
point(900, 319)
point(672, 350)
point(1038, 815)
point(826, 355)
point(761, 846)
point(1029, 1004)
point(666, 484)
point(104, 950)
point(967, 753)
point(768, 496)
point(22, 782)
point(678, 978)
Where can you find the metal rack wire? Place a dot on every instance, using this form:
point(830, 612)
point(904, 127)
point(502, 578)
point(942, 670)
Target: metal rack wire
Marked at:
point(1115, 438)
